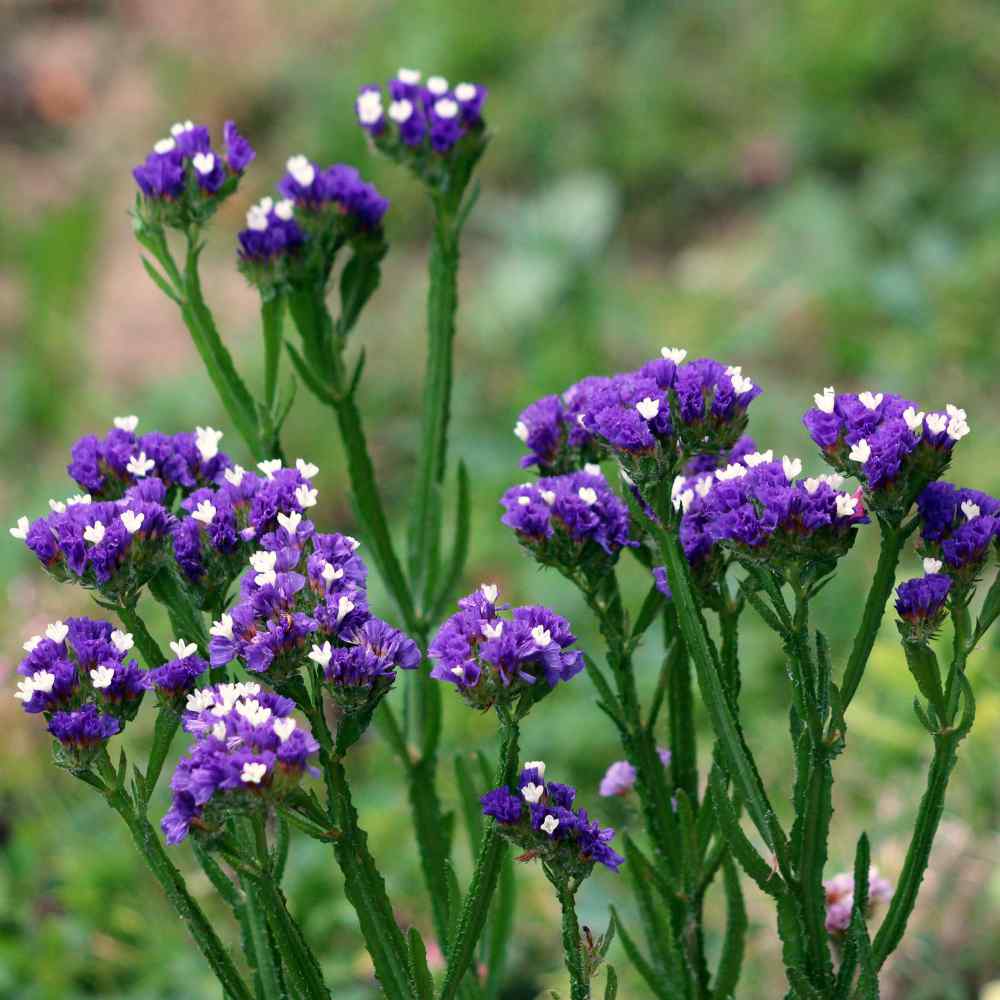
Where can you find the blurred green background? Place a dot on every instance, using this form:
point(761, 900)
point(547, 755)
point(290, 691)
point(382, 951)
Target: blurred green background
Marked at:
point(811, 190)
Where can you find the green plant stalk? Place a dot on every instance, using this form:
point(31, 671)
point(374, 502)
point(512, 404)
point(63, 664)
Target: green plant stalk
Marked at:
point(576, 964)
point(489, 862)
point(175, 888)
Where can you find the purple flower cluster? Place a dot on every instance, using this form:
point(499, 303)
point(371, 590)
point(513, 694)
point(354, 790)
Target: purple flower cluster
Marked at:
point(185, 163)
point(422, 116)
point(885, 440)
point(248, 751)
point(174, 679)
point(840, 898)
point(113, 546)
point(620, 776)
point(271, 232)
point(759, 506)
point(958, 527)
point(490, 658)
point(106, 467)
point(576, 508)
point(631, 413)
point(921, 601)
point(77, 677)
point(540, 818)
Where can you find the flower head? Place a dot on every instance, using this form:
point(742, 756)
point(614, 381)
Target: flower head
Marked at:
point(840, 899)
point(958, 528)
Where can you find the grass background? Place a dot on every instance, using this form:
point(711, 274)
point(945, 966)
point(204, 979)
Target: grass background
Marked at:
point(811, 190)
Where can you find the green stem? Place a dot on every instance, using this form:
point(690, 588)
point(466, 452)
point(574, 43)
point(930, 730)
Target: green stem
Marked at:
point(962, 642)
point(272, 317)
point(576, 964)
point(172, 882)
point(487, 872)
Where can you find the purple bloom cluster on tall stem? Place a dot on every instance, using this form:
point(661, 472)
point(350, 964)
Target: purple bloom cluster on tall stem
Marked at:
point(539, 817)
point(248, 751)
point(494, 654)
point(840, 899)
point(958, 528)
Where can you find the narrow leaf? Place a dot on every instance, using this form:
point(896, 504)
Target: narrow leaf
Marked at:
point(731, 960)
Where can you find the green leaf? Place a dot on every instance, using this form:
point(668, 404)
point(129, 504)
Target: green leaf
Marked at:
point(660, 989)
point(161, 282)
point(923, 664)
point(804, 990)
point(500, 926)
point(459, 548)
point(727, 974)
point(422, 979)
point(647, 613)
point(308, 376)
point(990, 610)
point(469, 801)
point(432, 841)
point(815, 827)
point(358, 281)
point(611, 986)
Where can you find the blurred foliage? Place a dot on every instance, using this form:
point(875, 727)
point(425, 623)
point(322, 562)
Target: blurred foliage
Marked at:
point(810, 190)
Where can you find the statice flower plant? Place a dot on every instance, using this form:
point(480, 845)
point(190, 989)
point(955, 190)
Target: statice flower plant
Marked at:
point(280, 659)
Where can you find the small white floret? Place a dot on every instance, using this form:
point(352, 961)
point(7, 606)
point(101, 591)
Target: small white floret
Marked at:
point(833, 479)
point(401, 111)
point(139, 465)
point(548, 496)
point(344, 607)
point(542, 636)
point(127, 423)
point(321, 655)
point(846, 505)
point(957, 429)
point(466, 91)
point(270, 467)
point(792, 467)
point(206, 440)
point(223, 628)
point(284, 728)
point(163, 146)
point(686, 499)
point(411, 77)
point(20, 530)
point(458, 671)
point(704, 485)
point(264, 564)
point(77, 498)
point(306, 496)
point(43, 680)
point(521, 431)
point(285, 209)
point(369, 105)
point(870, 400)
point(549, 825)
point(741, 384)
point(204, 163)
point(587, 495)
point(825, 400)
point(353, 542)
point(970, 510)
point(101, 677)
point(524, 501)
point(253, 773)
point(199, 700)
point(182, 650)
point(811, 485)
point(446, 108)
point(756, 458)
point(914, 419)
point(331, 573)
point(648, 408)
point(955, 412)
point(535, 765)
point(290, 522)
point(302, 171)
point(25, 689)
point(437, 85)
point(234, 476)
point(860, 452)
point(57, 506)
point(937, 423)
point(732, 471)
point(94, 533)
point(532, 792)
point(493, 631)
point(57, 631)
point(256, 219)
point(490, 592)
point(592, 469)
point(932, 566)
point(219, 730)
point(205, 512)
point(31, 644)
point(132, 521)
point(306, 469)
point(675, 354)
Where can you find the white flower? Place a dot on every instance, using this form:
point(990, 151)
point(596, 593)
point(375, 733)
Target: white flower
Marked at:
point(57, 506)
point(284, 728)
point(437, 85)
point(532, 792)
point(957, 428)
point(869, 400)
point(704, 485)
point(955, 412)
point(369, 105)
point(101, 677)
point(541, 635)
point(492, 631)
point(676, 488)
point(549, 825)
point(179, 128)
point(31, 644)
point(732, 471)
point(914, 419)
point(825, 400)
point(128, 423)
point(521, 431)
point(833, 479)
point(223, 628)
point(592, 469)
point(401, 111)
point(524, 501)
point(139, 465)
point(970, 510)
point(263, 564)
point(43, 680)
point(741, 383)
point(132, 520)
point(94, 533)
point(21, 530)
point(270, 467)
point(290, 522)
point(206, 440)
point(306, 469)
point(535, 765)
point(330, 573)
point(306, 496)
point(219, 730)
point(932, 565)
point(200, 699)
point(344, 607)
point(792, 467)
point(353, 542)
point(182, 650)
point(302, 171)
point(254, 712)
point(204, 163)
point(548, 496)
point(25, 690)
point(686, 499)
point(285, 209)
point(163, 146)
point(756, 458)
point(811, 485)
point(587, 495)
point(846, 505)
point(122, 641)
point(458, 671)
point(411, 77)
point(57, 631)
point(626, 478)
point(205, 512)
point(490, 592)
point(675, 354)
point(648, 408)
point(321, 655)
point(257, 219)
point(77, 498)
point(253, 773)
point(446, 108)
point(465, 91)
point(937, 423)
point(860, 452)
point(234, 476)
